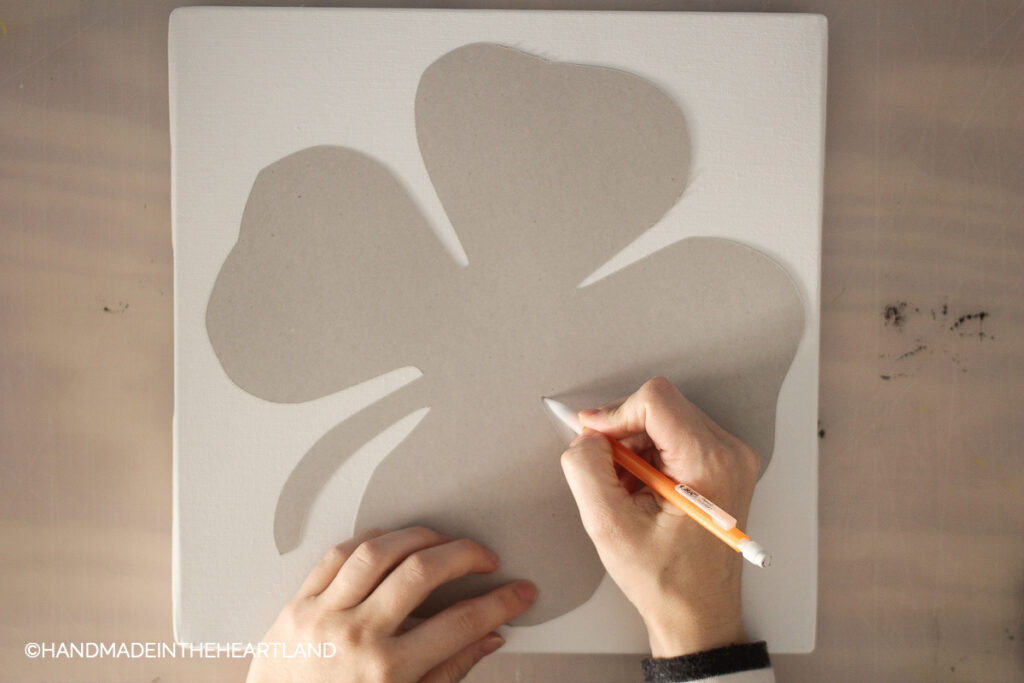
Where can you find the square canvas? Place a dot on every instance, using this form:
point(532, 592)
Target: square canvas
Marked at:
point(395, 230)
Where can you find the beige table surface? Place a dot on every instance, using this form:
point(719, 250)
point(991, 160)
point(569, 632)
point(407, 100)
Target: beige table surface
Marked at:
point(922, 484)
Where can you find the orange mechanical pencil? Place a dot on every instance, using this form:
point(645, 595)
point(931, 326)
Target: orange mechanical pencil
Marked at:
point(699, 508)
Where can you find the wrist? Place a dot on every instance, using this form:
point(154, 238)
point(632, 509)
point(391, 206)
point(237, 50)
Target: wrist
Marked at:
point(685, 631)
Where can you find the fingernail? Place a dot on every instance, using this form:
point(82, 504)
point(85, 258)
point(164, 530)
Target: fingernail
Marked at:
point(491, 643)
point(590, 412)
point(525, 591)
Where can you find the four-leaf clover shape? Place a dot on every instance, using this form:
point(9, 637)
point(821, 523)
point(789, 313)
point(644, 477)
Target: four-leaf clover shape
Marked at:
point(545, 171)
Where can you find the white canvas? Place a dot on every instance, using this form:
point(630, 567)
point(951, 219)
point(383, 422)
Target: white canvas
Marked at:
point(249, 86)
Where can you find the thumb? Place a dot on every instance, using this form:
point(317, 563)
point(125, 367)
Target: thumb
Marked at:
point(589, 470)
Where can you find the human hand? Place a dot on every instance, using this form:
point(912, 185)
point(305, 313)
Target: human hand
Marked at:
point(682, 579)
point(359, 598)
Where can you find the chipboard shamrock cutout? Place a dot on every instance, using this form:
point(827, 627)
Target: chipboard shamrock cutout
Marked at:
point(546, 170)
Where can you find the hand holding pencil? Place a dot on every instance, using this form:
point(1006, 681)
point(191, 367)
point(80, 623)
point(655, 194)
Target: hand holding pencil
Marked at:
point(684, 581)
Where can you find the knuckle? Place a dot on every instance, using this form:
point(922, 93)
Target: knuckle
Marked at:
point(469, 547)
point(745, 452)
point(569, 460)
point(382, 667)
point(335, 555)
point(659, 387)
point(572, 458)
point(749, 459)
point(302, 619)
point(368, 553)
point(424, 534)
point(419, 566)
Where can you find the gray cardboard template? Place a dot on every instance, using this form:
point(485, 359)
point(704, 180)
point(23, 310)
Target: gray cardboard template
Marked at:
point(546, 171)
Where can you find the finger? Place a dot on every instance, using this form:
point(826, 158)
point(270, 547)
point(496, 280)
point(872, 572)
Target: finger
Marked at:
point(372, 560)
point(638, 443)
point(628, 481)
point(327, 568)
point(642, 446)
point(657, 408)
point(589, 470)
point(420, 573)
point(457, 666)
point(466, 622)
